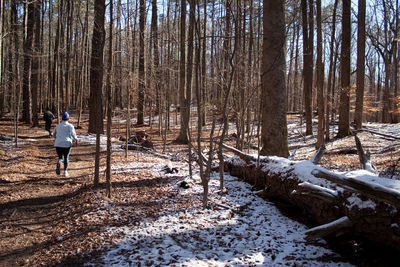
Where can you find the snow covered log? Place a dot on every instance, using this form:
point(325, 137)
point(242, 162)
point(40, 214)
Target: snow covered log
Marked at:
point(370, 206)
point(341, 224)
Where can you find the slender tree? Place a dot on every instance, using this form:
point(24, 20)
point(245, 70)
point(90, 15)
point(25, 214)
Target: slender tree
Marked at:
point(182, 73)
point(35, 83)
point(307, 11)
point(28, 41)
point(109, 103)
point(329, 95)
point(2, 88)
point(96, 80)
point(344, 110)
point(140, 105)
point(15, 71)
point(360, 64)
point(320, 79)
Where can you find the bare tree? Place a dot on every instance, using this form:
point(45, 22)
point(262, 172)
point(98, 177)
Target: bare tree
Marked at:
point(35, 83)
point(96, 69)
point(345, 57)
point(96, 80)
point(307, 11)
point(29, 29)
point(360, 64)
point(320, 80)
point(344, 110)
point(109, 103)
point(2, 89)
point(274, 135)
point(331, 76)
point(182, 73)
point(140, 105)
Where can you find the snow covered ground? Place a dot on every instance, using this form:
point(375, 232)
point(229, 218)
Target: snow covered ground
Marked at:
point(240, 230)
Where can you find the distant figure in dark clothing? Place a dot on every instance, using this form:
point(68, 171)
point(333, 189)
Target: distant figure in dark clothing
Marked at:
point(48, 118)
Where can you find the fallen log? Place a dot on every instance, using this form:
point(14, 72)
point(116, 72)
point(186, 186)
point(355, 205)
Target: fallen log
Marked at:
point(372, 208)
point(342, 151)
point(378, 133)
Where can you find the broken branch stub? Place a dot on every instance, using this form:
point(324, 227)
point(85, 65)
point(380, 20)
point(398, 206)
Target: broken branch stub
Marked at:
point(365, 157)
point(343, 224)
point(369, 189)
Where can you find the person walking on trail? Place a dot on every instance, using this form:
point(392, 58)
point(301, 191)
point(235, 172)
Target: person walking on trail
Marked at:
point(65, 134)
point(48, 118)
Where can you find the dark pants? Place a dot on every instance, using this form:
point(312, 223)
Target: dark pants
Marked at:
point(48, 126)
point(63, 152)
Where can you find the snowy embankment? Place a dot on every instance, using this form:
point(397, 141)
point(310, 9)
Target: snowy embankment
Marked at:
point(241, 229)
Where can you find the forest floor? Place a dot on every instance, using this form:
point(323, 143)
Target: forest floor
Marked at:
point(52, 220)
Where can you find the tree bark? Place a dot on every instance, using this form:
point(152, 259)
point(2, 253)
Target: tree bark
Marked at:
point(141, 77)
point(35, 83)
point(96, 70)
point(29, 28)
point(360, 64)
point(320, 80)
point(96, 81)
point(274, 133)
point(109, 103)
point(182, 73)
point(345, 58)
point(331, 76)
point(308, 44)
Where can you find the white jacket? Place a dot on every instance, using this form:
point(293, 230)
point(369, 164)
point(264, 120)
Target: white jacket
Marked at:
point(64, 133)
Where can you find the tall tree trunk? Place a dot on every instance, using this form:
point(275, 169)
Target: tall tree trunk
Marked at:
point(15, 73)
point(96, 80)
point(35, 65)
point(60, 59)
point(84, 58)
point(226, 87)
point(386, 95)
point(360, 64)
point(320, 80)
point(329, 93)
point(296, 87)
point(142, 21)
point(118, 64)
point(96, 70)
point(156, 63)
point(28, 40)
point(2, 87)
point(344, 110)
point(109, 103)
point(396, 56)
point(274, 133)
point(307, 11)
point(68, 93)
point(203, 66)
point(182, 73)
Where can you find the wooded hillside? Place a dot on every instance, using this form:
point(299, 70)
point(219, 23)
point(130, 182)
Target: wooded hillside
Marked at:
point(53, 55)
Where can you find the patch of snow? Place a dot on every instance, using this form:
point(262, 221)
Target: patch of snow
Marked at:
point(257, 235)
point(356, 201)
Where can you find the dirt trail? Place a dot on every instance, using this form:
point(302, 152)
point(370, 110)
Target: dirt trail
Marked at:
point(44, 215)
point(34, 200)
